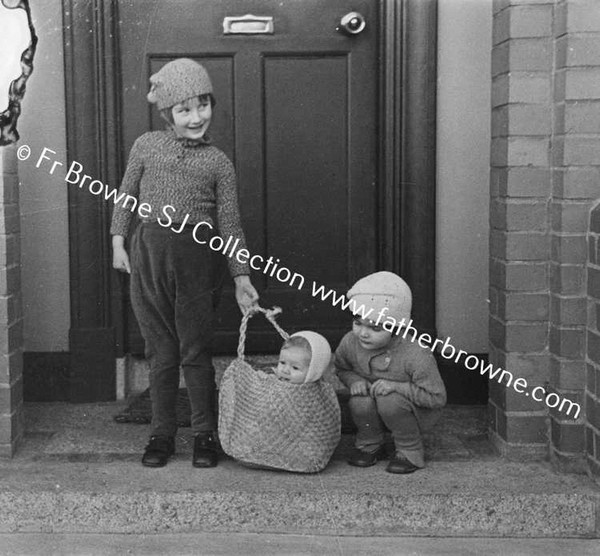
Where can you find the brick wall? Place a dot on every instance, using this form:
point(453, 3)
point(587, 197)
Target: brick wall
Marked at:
point(522, 66)
point(11, 319)
point(592, 398)
point(545, 161)
point(576, 156)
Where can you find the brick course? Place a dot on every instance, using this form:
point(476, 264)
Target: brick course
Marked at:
point(576, 183)
point(593, 351)
point(577, 17)
point(520, 182)
point(527, 151)
point(527, 428)
point(567, 342)
point(531, 276)
point(521, 87)
point(578, 84)
point(581, 150)
point(584, 116)
point(566, 374)
point(567, 279)
point(569, 310)
point(569, 248)
point(523, 306)
point(570, 216)
point(577, 50)
point(520, 215)
point(569, 437)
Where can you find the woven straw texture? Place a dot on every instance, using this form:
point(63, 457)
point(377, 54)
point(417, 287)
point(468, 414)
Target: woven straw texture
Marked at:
point(267, 422)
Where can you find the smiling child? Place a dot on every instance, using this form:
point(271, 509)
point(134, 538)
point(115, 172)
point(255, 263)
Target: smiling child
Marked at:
point(171, 272)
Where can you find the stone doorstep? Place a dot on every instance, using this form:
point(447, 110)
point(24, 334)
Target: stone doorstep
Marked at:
point(124, 497)
point(78, 471)
point(299, 513)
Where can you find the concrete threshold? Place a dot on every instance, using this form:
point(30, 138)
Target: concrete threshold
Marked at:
point(78, 472)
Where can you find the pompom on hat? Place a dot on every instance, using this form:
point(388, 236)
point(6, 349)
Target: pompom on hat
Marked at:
point(379, 290)
point(177, 81)
point(321, 354)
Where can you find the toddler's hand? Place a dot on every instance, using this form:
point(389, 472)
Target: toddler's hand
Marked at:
point(382, 387)
point(359, 388)
point(121, 260)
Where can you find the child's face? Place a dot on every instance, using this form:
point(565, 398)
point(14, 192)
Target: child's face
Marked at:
point(293, 364)
point(192, 117)
point(370, 335)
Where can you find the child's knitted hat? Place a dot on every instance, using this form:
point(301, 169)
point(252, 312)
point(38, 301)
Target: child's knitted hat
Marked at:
point(321, 354)
point(379, 290)
point(177, 81)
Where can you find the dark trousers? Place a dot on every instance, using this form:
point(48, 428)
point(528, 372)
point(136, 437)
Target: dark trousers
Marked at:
point(172, 298)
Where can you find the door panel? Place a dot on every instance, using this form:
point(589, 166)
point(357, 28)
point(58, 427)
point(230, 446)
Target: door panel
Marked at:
point(306, 151)
point(296, 112)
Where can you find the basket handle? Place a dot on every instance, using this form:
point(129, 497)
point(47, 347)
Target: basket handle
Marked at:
point(269, 314)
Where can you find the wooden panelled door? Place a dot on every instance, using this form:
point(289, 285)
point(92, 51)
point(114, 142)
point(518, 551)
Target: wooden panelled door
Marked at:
point(297, 113)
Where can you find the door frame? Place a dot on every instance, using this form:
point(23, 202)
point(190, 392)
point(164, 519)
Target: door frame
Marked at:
point(406, 170)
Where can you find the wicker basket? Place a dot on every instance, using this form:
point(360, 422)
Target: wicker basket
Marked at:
point(266, 422)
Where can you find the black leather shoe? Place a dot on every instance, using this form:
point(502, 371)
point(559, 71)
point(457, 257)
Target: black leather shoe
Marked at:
point(158, 451)
point(360, 458)
point(205, 450)
point(399, 464)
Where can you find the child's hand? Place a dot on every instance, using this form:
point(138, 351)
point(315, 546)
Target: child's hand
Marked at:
point(121, 260)
point(382, 387)
point(359, 388)
point(245, 294)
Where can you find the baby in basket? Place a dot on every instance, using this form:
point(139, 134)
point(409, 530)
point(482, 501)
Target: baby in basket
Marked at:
point(287, 419)
point(303, 358)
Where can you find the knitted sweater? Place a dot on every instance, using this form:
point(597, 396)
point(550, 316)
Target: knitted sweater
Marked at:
point(194, 178)
point(400, 361)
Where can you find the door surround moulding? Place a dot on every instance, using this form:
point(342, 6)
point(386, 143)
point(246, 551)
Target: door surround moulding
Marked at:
point(408, 93)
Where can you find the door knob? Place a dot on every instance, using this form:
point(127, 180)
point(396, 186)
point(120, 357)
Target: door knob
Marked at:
point(352, 23)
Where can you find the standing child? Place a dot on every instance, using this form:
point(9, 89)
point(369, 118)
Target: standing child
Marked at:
point(392, 380)
point(184, 180)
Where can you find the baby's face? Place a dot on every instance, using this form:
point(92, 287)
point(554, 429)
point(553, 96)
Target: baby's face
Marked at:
point(293, 365)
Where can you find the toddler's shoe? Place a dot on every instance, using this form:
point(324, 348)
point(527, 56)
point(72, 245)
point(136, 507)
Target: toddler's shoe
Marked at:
point(205, 450)
point(399, 464)
point(158, 451)
point(360, 458)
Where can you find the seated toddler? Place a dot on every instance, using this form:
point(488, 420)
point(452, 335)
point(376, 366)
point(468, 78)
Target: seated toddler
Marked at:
point(393, 381)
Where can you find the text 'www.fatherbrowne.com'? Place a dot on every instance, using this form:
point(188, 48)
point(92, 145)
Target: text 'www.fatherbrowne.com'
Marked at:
point(448, 351)
point(273, 268)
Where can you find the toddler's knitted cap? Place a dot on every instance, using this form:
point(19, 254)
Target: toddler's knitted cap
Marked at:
point(321, 354)
point(379, 290)
point(177, 81)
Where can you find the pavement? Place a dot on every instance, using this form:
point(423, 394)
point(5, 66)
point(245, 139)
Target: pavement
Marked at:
point(252, 544)
point(78, 473)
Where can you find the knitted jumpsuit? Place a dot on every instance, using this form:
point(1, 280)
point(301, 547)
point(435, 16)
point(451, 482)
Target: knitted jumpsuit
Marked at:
point(171, 282)
point(407, 413)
